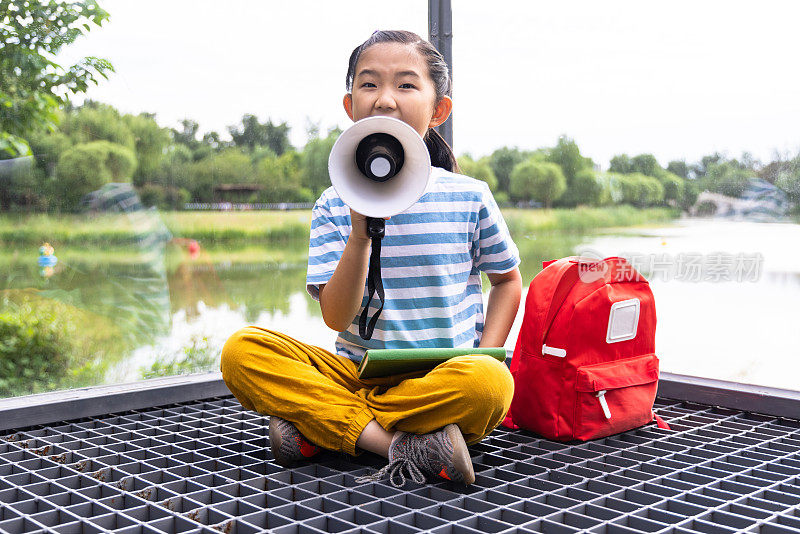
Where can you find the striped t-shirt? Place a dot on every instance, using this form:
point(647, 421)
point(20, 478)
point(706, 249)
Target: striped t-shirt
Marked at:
point(431, 258)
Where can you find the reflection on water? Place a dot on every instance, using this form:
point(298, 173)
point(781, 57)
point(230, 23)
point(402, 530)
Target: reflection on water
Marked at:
point(743, 331)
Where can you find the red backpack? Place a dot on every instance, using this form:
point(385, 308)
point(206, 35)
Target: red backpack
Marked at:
point(584, 365)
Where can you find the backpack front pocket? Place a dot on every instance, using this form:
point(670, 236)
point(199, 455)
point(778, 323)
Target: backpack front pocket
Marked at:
point(615, 396)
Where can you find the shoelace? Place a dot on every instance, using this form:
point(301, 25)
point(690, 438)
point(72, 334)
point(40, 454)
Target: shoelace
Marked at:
point(409, 460)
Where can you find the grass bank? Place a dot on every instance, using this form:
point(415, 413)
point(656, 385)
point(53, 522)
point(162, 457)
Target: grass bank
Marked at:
point(523, 222)
point(275, 227)
point(265, 227)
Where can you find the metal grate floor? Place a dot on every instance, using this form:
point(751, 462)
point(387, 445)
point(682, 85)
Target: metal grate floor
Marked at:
point(202, 467)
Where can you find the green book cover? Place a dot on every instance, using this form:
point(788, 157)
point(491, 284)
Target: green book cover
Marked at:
point(386, 362)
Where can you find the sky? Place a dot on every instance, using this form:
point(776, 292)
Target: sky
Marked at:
point(676, 79)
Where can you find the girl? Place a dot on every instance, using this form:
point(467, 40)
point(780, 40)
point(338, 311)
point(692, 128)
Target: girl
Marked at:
point(432, 257)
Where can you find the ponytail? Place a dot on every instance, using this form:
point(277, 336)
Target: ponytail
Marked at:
point(441, 153)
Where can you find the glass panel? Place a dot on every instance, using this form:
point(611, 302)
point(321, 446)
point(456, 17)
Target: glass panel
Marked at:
point(163, 208)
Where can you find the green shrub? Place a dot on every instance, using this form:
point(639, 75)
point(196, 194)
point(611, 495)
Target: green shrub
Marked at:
point(31, 353)
point(87, 167)
point(152, 195)
point(639, 190)
point(585, 190)
point(502, 161)
point(502, 198)
point(673, 187)
point(95, 121)
point(196, 358)
point(537, 180)
point(726, 179)
point(42, 347)
point(689, 195)
point(790, 183)
point(176, 198)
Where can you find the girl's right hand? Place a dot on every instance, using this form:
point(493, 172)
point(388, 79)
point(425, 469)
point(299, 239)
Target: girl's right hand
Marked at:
point(358, 224)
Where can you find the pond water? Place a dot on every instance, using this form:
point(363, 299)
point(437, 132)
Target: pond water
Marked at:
point(726, 296)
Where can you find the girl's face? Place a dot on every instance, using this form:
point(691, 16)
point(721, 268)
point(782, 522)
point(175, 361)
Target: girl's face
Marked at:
point(392, 80)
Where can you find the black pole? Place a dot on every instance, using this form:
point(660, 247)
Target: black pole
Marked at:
point(440, 34)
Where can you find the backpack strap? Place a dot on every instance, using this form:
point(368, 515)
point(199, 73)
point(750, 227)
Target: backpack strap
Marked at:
point(562, 287)
point(660, 422)
point(566, 279)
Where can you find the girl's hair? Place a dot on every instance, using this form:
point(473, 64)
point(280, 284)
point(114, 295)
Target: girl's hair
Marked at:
point(441, 153)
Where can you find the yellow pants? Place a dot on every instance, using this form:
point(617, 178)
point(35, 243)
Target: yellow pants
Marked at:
point(320, 392)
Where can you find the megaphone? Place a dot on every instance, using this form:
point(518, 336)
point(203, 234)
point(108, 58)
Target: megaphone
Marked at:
point(379, 166)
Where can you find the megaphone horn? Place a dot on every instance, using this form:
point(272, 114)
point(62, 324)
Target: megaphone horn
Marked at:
point(379, 156)
point(379, 166)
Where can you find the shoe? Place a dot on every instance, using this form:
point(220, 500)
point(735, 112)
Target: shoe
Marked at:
point(443, 453)
point(288, 444)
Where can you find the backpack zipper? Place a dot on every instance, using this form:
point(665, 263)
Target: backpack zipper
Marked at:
point(601, 396)
point(553, 351)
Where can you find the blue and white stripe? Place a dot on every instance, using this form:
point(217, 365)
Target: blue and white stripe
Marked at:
point(431, 258)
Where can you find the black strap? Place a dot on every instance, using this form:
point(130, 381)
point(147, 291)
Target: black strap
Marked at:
point(376, 230)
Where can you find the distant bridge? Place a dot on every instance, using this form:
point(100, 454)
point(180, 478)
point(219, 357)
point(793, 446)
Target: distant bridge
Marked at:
point(758, 203)
point(722, 205)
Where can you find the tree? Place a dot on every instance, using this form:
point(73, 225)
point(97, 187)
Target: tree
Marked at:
point(87, 167)
point(480, 170)
point(24, 185)
point(678, 168)
point(94, 121)
point(537, 180)
point(585, 189)
point(639, 190)
point(281, 177)
point(567, 155)
point(621, 164)
point(213, 140)
point(701, 168)
point(673, 186)
point(230, 166)
point(314, 162)
point(254, 134)
point(187, 135)
point(32, 86)
point(502, 161)
point(646, 164)
point(150, 140)
point(175, 168)
point(47, 148)
point(790, 183)
point(726, 178)
point(749, 162)
point(688, 195)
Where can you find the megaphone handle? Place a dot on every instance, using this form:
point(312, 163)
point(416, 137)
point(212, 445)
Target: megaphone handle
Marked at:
point(376, 230)
point(376, 227)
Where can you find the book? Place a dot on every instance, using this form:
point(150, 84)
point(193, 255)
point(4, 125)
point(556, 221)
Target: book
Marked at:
point(386, 362)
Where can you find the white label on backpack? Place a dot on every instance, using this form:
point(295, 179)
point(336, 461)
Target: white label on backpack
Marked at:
point(623, 320)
